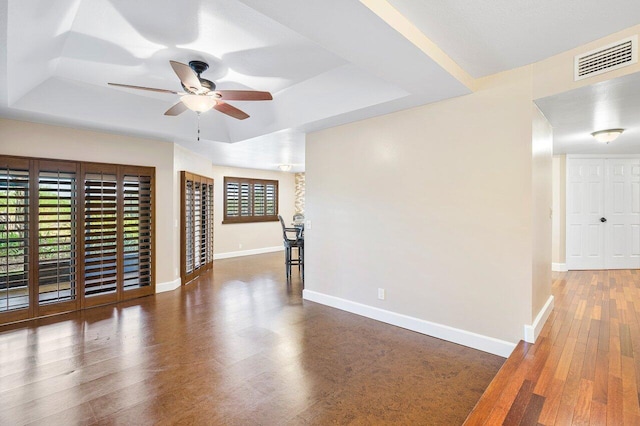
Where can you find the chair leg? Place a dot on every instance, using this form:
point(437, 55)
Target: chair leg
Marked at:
point(287, 261)
point(301, 253)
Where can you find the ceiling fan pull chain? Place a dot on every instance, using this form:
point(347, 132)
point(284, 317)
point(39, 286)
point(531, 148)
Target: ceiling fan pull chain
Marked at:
point(198, 126)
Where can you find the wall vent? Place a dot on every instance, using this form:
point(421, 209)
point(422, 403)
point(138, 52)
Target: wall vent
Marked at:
point(608, 58)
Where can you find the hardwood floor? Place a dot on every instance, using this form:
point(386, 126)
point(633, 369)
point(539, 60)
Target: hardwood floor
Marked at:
point(584, 368)
point(241, 347)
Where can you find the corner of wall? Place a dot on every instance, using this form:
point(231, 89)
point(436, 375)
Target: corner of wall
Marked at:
point(531, 332)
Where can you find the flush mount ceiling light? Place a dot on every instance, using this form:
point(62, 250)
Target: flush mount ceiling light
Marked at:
point(608, 135)
point(285, 167)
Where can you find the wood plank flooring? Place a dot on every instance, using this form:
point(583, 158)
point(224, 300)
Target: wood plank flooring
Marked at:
point(584, 369)
point(240, 346)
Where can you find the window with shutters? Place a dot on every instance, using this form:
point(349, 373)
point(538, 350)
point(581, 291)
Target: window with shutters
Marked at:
point(137, 231)
point(250, 200)
point(57, 223)
point(14, 236)
point(100, 233)
point(196, 215)
point(73, 235)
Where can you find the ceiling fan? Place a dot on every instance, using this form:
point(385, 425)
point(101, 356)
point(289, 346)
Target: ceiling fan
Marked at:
point(200, 94)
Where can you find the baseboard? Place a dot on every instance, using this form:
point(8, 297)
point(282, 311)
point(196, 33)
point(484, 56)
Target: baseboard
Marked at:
point(451, 334)
point(168, 286)
point(531, 332)
point(247, 252)
point(559, 267)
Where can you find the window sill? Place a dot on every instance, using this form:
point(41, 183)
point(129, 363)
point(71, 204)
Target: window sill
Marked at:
point(250, 220)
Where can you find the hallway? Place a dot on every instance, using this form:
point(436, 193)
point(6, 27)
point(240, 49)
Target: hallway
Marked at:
point(585, 367)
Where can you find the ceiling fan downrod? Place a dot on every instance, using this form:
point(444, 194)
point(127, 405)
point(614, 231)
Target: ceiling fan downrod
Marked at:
point(198, 113)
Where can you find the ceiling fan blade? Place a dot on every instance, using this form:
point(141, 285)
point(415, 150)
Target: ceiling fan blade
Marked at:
point(151, 89)
point(230, 110)
point(186, 75)
point(177, 109)
point(244, 95)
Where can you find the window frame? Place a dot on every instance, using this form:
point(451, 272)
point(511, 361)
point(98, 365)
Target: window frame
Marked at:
point(37, 168)
point(188, 236)
point(253, 218)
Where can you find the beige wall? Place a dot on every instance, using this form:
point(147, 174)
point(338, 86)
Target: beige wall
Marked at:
point(232, 238)
point(542, 149)
point(433, 204)
point(235, 237)
point(40, 140)
point(183, 159)
point(393, 204)
point(558, 230)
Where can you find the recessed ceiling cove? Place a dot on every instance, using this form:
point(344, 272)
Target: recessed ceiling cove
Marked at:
point(325, 63)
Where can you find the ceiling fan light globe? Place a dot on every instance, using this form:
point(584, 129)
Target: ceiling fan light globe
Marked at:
point(198, 103)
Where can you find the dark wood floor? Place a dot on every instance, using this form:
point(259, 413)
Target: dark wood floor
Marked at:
point(584, 369)
point(237, 347)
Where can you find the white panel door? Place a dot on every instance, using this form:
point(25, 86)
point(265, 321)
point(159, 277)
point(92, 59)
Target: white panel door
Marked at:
point(622, 211)
point(585, 208)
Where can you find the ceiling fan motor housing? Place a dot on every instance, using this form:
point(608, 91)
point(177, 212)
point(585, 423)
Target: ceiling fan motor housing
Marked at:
point(199, 67)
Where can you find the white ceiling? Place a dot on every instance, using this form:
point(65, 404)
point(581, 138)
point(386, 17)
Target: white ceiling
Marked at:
point(488, 36)
point(326, 62)
point(610, 104)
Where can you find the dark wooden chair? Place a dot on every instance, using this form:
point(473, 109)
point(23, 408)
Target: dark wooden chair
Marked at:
point(293, 239)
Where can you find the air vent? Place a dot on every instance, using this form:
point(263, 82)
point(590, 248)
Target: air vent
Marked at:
point(608, 58)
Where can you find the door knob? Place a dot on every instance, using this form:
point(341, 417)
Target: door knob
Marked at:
point(603, 219)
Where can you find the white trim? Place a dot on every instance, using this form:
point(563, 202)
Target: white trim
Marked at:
point(168, 286)
point(598, 156)
point(247, 252)
point(559, 267)
point(531, 332)
point(445, 332)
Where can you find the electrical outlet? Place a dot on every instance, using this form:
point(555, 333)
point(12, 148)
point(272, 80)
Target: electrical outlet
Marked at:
point(240, 245)
point(381, 293)
point(307, 225)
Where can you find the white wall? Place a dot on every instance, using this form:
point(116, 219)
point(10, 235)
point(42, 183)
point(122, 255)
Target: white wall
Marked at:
point(432, 204)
